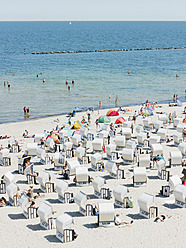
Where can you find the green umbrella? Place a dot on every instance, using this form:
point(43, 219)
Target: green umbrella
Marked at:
point(104, 119)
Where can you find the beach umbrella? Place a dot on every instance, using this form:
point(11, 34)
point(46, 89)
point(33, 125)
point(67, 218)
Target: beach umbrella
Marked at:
point(104, 119)
point(146, 113)
point(112, 113)
point(78, 125)
point(120, 120)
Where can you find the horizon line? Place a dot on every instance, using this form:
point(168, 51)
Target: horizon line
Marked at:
point(92, 20)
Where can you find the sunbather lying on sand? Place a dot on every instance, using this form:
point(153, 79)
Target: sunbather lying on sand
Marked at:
point(118, 221)
point(162, 218)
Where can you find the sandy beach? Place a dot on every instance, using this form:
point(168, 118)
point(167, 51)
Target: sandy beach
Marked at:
point(17, 231)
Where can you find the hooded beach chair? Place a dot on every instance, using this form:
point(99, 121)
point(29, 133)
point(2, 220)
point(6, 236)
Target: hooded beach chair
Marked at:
point(47, 219)
point(178, 138)
point(44, 181)
point(106, 127)
point(11, 191)
point(63, 134)
point(180, 196)
point(28, 212)
point(81, 155)
point(106, 217)
point(41, 154)
point(84, 131)
point(65, 228)
point(147, 208)
point(82, 178)
point(84, 208)
point(5, 159)
point(120, 141)
point(162, 172)
point(158, 125)
point(142, 139)
point(49, 144)
point(28, 172)
point(157, 149)
point(67, 147)
point(97, 145)
point(131, 144)
point(7, 179)
point(128, 156)
point(127, 132)
point(59, 161)
point(139, 128)
point(182, 148)
point(100, 190)
point(163, 117)
point(162, 132)
point(96, 163)
point(144, 160)
point(180, 127)
point(63, 195)
point(38, 137)
point(111, 152)
point(128, 124)
point(76, 139)
point(173, 182)
point(120, 195)
point(71, 165)
point(154, 139)
point(177, 121)
point(31, 149)
point(113, 170)
point(175, 158)
point(147, 123)
point(139, 176)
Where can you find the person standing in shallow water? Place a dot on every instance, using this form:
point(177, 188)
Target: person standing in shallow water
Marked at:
point(25, 110)
point(116, 101)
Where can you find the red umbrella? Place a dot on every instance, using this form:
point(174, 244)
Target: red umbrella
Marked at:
point(120, 120)
point(112, 113)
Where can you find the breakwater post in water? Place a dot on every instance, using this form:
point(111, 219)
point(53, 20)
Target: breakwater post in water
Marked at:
point(111, 50)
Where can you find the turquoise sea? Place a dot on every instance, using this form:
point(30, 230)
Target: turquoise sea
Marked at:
point(96, 75)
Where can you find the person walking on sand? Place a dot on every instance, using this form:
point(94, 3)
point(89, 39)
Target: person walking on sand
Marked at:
point(116, 101)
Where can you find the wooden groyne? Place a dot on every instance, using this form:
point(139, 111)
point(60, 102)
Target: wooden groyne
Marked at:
point(111, 50)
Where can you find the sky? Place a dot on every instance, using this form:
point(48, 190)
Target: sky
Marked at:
point(93, 10)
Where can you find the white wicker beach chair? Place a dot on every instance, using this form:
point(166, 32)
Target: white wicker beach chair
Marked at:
point(182, 148)
point(84, 208)
point(72, 164)
point(110, 149)
point(144, 160)
point(50, 144)
point(59, 161)
point(63, 195)
point(96, 161)
point(128, 156)
point(82, 178)
point(173, 182)
point(139, 128)
point(11, 191)
point(158, 125)
point(139, 176)
point(65, 228)
point(177, 121)
point(147, 123)
point(28, 212)
point(180, 196)
point(154, 139)
point(163, 117)
point(45, 184)
point(80, 152)
point(141, 138)
point(112, 169)
point(38, 137)
point(76, 139)
point(97, 145)
point(120, 195)
point(163, 133)
point(147, 208)
point(157, 149)
point(128, 124)
point(175, 158)
point(180, 127)
point(127, 132)
point(5, 159)
point(120, 141)
point(99, 188)
point(47, 219)
point(106, 217)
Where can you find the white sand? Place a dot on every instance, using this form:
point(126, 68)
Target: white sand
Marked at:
point(16, 231)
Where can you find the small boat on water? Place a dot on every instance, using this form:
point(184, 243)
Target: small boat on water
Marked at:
point(70, 23)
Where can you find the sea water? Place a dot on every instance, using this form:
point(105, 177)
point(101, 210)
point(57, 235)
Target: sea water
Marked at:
point(96, 75)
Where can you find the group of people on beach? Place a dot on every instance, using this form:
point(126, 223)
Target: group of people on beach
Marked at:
point(26, 111)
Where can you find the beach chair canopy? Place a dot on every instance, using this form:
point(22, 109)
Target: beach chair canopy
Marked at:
point(139, 128)
point(67, 146)
point(154, 139)
point(64, 221)
point(95, 158)
point(97, 144)
point(12, 189)
point(162, 132)
point(161, 164)
point(45, 211)
point(177, 121)
point(43, 178)
point(61, 187)
point(140, 174)
point(177, 137)
point(76, 139)
point(182, 148)
point(128, 124)
point(103, 134)
point(4, 153)
point(98, 183)
point(72, 164)
point(147, 122)
point(81, 174)
point(141, 137)
point(81, 199)
point(23, 202)
point(110, 148)
point(80, 152)
point(157, 149)
point(144, 160)
point(38, 137)
point(180, 193)
point(63, 133)
point(120, 141)
point(128, 154)
point(41, 153)
point(180, 127)
point(120, 192)
point(106, 212)
point(111, 167)
point(176, 157)
point(174, 181)
point(131, 144)
point(145, 201)
point(112, 113)
point(8, 177)
point(50, 142)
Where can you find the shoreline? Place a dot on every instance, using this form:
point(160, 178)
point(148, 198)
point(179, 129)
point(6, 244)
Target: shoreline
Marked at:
point(104, 107)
